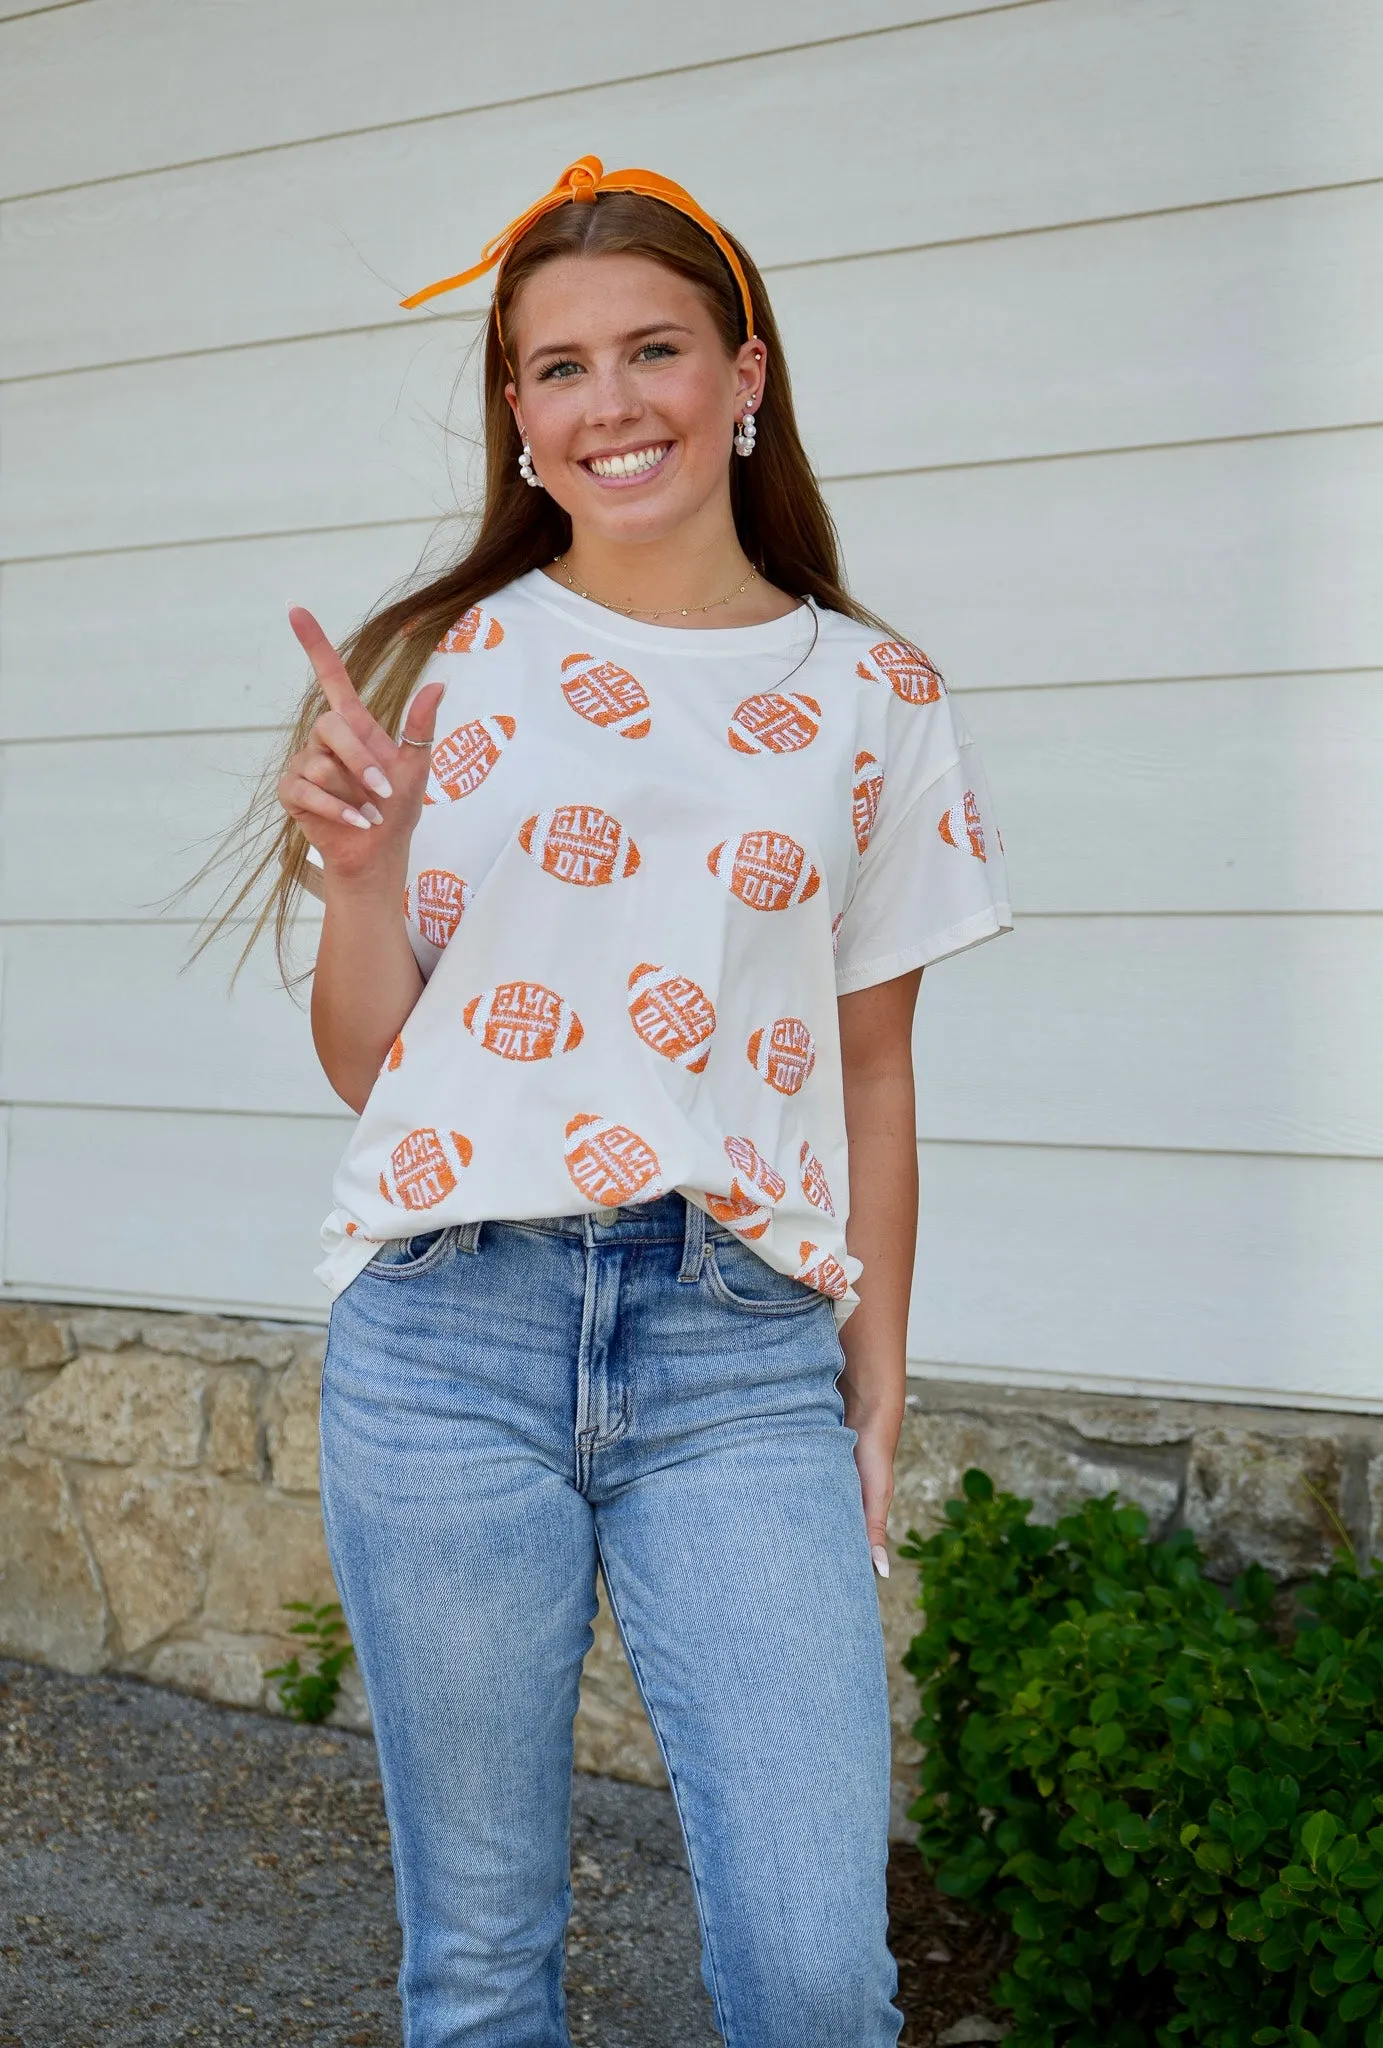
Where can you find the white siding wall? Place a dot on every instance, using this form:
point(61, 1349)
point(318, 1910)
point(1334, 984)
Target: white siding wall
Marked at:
point(1083, 306)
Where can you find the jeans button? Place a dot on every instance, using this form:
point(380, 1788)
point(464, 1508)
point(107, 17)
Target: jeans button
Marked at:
point(607, 1215)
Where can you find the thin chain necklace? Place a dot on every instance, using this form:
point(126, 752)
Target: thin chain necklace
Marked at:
point(630, 611)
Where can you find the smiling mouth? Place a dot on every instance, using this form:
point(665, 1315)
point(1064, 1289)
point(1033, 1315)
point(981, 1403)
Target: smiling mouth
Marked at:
point(638, 462)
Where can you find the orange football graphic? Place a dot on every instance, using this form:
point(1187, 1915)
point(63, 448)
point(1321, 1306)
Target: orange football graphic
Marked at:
point(754, 1187)
point(821, 1270)
point(963, 827)
point(867, 791)
point(473, 626)
point(766, 870)
point(436, 904)
point(579, 843)
point(607, 695)
point(782, 1053)
point(815, 1185)
point(745, 1214)
point(395, 1059)
point(911, 676)
point(465, 757)
point(672, 1014)
point(608, 1163)
point(775, 722)
point(836, 923)
point(423, 1168)
point(523, 1020)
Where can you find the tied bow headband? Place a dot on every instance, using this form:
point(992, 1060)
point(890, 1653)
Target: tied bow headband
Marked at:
point(580, 182)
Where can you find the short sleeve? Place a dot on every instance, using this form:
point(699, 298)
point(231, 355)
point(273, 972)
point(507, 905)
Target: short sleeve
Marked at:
point(931, 881)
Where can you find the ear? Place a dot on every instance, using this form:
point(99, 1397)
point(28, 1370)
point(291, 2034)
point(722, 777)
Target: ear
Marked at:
point(513, 397)
point(751, 374)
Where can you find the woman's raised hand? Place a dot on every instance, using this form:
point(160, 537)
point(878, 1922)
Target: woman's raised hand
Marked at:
point(353, 791)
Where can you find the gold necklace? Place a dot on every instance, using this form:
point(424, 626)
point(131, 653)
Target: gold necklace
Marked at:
point(630, 611)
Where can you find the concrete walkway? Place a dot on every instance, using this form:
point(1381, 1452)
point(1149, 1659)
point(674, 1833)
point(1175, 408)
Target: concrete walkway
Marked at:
point(179, 1872)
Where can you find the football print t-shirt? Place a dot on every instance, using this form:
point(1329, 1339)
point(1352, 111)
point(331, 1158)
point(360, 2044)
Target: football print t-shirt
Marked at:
point(648, 862)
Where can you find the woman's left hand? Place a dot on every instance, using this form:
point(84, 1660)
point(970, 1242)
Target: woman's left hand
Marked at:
point(875, 1448)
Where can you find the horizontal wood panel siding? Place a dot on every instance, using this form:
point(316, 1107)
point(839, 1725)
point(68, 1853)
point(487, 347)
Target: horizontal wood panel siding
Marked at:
point(1247, 558)
point(100, 829)
point(1209, 1278)
point(141, 1025)
point(1254, 558)
point(1085, 104)
point(1242, 795)
point(264, 73)
point(174, 639)
point(307, 241)
point(1116, 460)
point(1199, 1034)
point(1249, 795)
point(1194, 1034)
point(122, 1205)
point(1213, 325)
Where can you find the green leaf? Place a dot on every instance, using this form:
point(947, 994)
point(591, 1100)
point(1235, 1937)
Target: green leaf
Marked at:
point(1359, 2000)
point(1109, 1739)
point(977, 1487)
point(1281, 1950)
point(1247, 1832)
point(1297, 1878)
point(1149, 1954)
point(1248, 1921)
point(1318, 1831)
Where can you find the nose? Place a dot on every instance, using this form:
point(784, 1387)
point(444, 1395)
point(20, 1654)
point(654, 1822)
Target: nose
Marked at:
point(612, 397)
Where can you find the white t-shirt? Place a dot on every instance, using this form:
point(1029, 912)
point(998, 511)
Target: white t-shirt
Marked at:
point(648, 862)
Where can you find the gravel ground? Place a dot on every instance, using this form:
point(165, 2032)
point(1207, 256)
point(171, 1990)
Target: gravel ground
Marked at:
point(180, 1872)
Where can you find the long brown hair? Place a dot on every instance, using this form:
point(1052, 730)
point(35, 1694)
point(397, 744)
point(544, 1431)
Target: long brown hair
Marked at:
point(780, 516)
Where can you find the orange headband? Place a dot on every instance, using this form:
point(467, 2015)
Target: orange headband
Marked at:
point(582, 181)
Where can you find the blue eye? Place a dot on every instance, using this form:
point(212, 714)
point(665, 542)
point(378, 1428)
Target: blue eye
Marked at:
point(552, 370)
point(662, 348)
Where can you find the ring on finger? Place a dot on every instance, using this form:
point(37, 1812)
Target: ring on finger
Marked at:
point(415, 743)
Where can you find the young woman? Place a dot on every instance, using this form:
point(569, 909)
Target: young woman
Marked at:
point(634, 833)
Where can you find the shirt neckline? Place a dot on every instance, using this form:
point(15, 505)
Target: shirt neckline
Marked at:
point(790, 634)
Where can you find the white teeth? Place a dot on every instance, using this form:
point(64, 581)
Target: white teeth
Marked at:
point(628, 465)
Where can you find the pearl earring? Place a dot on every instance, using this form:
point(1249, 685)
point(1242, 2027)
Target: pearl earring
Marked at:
point(526, 469)
point(747, 432)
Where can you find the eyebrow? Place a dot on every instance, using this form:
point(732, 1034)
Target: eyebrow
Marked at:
point(572, 348)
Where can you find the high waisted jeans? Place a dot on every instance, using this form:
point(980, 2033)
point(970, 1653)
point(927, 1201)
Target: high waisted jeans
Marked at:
point(505, 1405)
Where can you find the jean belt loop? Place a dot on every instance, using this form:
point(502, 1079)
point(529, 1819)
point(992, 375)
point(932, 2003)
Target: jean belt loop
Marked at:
point(468, 1237)
point(693, 1243)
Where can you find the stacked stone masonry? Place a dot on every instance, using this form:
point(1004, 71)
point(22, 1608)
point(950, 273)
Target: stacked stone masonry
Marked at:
point(158, 1504)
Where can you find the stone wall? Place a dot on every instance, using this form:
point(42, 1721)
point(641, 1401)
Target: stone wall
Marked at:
point(158, 1501)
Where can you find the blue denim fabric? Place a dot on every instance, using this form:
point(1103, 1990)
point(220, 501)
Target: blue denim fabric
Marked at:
point(504, 1406)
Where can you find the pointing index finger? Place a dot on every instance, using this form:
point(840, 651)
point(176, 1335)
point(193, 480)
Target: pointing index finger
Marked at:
point(327, 664)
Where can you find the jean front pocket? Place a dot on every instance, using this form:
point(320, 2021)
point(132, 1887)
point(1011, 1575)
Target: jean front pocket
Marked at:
point(740, 1279)
point(401, 1257)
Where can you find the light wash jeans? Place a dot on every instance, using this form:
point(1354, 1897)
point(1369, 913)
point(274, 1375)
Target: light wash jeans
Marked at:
point(506, 1404)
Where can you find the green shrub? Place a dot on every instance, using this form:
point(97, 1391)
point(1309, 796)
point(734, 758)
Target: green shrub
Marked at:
point(311, 1695)
point(1176, 1807)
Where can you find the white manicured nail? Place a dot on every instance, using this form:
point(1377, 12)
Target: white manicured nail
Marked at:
point(375, 817)
point(880, 1557)
point(350, 817)
point(378, 781)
